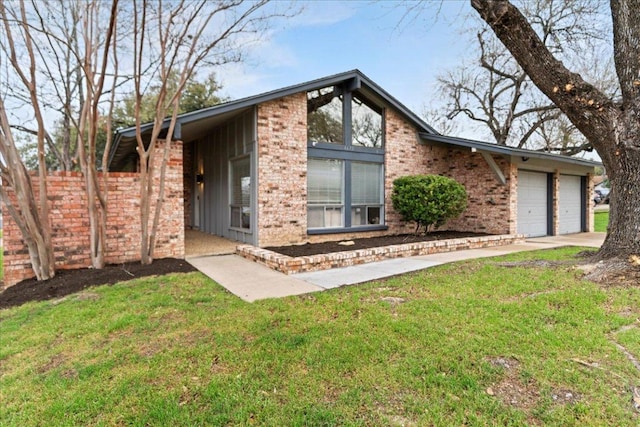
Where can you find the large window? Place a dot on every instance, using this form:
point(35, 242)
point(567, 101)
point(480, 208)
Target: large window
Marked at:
point(240, 206)
point(328, 199)
point(325, 193)
point(345, 145)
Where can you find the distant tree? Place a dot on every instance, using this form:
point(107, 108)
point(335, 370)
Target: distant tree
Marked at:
point(196, 96)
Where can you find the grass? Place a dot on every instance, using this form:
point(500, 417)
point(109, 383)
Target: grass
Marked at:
point(417, 349)
point(601, 220)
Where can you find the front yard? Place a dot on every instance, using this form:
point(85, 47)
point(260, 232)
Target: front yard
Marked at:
point(517, 340)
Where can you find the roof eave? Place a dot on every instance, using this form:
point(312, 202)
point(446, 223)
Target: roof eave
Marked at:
point(505, 150)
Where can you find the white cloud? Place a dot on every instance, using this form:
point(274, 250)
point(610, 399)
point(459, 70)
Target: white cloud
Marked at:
point(320, 13)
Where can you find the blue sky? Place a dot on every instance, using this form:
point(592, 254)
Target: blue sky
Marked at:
point(330, 37)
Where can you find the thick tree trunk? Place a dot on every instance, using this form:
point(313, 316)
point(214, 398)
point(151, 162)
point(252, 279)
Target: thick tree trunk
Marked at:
point(612, 128)
point(623, 169)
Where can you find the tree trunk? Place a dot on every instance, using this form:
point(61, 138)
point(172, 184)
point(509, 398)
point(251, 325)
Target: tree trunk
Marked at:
point(145, 196)
point(613, 129)
point(623, 170)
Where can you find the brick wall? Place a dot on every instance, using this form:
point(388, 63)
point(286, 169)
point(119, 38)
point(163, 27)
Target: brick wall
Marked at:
point(282, 171)
point(282, 163)
point(490, 204)
point(489, 207)
point(70, 223)
point(404, 155)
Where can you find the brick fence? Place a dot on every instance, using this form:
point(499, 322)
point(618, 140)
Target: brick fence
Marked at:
point(70, 223)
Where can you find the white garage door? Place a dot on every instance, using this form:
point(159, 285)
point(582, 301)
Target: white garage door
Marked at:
point(532, 203)
point(570, 204)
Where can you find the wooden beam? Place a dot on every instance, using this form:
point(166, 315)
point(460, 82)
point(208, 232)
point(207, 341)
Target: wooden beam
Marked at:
point(494, 167)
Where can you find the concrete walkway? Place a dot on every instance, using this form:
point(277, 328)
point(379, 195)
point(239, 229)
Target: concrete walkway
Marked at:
point(251, 281)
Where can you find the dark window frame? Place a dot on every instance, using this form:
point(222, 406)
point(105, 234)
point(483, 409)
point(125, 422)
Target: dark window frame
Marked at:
point(351, 153)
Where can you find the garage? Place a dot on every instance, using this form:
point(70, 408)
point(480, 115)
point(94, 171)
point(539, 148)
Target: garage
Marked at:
point(533, 203)
point(570, 204)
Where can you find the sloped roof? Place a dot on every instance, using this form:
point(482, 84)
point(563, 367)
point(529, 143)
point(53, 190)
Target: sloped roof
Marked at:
point(191, 125)
point(505, 150)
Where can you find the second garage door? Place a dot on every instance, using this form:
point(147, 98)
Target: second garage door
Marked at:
point(570, 204)
point(533, 203)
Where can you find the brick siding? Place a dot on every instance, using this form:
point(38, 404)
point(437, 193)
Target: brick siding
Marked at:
point(70, 222)
point(282, 171)
point(282, 186)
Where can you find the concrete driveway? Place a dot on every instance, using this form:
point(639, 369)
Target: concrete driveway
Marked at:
point(251, 281)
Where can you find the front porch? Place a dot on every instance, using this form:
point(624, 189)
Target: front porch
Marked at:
point(198, 243)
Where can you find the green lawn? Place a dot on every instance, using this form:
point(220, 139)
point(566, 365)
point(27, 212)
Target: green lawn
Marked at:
point(601, 220)
point(474, 343)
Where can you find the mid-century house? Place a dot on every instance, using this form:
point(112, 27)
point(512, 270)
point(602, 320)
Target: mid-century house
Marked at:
point(317, 161)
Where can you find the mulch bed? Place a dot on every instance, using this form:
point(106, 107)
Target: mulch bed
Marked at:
point(367, 243)
point(70, 281)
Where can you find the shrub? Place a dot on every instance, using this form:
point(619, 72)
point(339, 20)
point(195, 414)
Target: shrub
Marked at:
point(429, 200)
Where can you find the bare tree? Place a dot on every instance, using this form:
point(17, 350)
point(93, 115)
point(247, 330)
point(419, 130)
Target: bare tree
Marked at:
point(612, 127)
point(70, 49)
point(498, 94)
point(495, 95)
point(175, 38)
point(31, 216)
point(95, 66)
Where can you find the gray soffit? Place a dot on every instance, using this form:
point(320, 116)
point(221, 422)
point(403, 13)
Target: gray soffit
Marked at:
point(124, 143)
point(504, 150)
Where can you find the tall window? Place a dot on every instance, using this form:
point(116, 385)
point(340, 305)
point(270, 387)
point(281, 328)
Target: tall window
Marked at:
point(366, 193)
point(240, 192)
point(345, 145)
point(325, 193)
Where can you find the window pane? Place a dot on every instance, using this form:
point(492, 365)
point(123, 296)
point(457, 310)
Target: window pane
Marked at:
point(241, 182)
point(366, 183)
point(333, 217)
point(315, 216)
point(235, 217)
point(240, 197)
point(365, 215)
point(358, 216)
point(324, 181)
point(366, 124)
point(324, 116)
point(373, 214)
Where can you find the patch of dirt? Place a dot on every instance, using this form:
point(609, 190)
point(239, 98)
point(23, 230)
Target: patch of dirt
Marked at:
point(513, 391)
point(308, 249)
point(67, 282)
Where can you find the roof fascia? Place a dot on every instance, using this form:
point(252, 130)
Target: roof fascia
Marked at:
point(504, 150)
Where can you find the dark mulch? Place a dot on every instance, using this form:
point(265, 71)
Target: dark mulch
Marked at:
point(366, 243)
point(69, 281)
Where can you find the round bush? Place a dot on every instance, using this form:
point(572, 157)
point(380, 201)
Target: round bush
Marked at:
point(429, 200)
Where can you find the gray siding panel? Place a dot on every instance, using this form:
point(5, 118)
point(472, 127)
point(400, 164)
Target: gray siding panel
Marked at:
point(233, 138)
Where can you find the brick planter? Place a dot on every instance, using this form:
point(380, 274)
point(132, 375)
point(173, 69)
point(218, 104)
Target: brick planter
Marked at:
point(291, 265)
